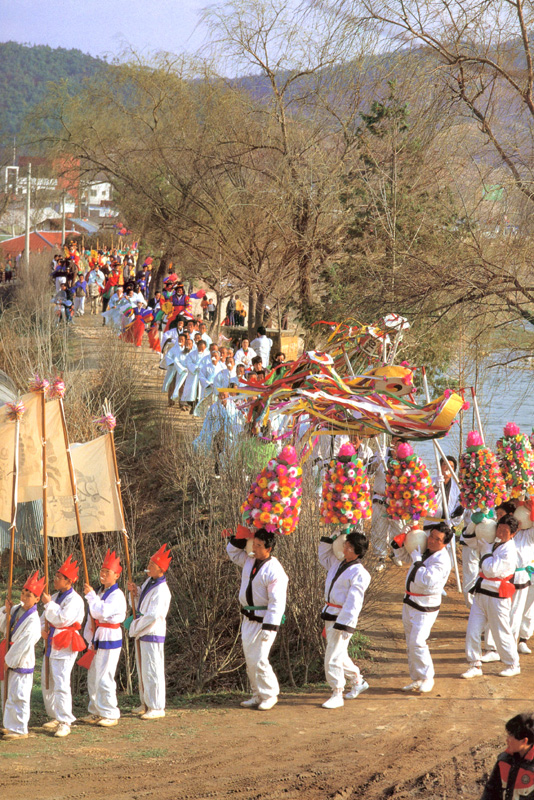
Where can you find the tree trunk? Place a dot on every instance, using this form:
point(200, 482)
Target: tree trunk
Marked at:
point(251, 312)
point(160, 272)
point(260, 307)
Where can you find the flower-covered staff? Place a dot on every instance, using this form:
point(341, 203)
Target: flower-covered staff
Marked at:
point(19, 660)
point(516, 458)
point(107, 609)
point(274, 499)
point(149, 628)
point(263, 600)
point(345, 587)
point(64, 611)
point(346, 493)
point(409, 491)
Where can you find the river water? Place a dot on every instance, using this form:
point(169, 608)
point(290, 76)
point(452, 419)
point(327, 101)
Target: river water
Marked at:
point(505, 395)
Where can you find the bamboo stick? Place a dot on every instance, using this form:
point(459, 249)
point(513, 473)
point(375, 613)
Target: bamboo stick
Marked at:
point(477, 414)
point(12, 530)
point(444, 502)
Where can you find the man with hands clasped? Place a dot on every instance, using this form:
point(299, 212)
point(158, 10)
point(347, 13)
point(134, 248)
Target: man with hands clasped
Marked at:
point(425, 583)
point(153, 599)
point(346, 583)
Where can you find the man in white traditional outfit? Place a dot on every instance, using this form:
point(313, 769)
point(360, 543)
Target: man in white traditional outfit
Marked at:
point(107, 610)
point(63, 613)
point(222, 425)
point(345, 587)
point(263, 600)
point(227, 377)
point(193, 362)
point(176, 374)
point(262, 345)
point(425, 583)
point(210, 368)
point(25, 632)
point(153, 599)
point(492, 601)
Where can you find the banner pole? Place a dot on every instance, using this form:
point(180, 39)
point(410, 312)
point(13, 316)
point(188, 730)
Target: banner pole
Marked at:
point(16, 412)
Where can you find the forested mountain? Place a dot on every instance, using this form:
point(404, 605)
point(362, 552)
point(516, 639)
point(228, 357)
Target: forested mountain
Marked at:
point(25, 72)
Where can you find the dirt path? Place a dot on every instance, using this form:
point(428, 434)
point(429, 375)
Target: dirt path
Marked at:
point(384, 744)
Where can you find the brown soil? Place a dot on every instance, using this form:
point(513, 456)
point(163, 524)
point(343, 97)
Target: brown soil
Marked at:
point(384, 744)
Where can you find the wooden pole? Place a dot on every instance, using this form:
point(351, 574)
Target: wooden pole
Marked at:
point(74, 491)
point(444, 502)
point(12, 530)
point(107, 411)
point(45, 525)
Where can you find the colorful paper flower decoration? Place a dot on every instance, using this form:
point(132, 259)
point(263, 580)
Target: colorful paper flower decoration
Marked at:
point(346, 493)
point(274, 498)
point(516, 459)
point(409, 491)
point(482, 486)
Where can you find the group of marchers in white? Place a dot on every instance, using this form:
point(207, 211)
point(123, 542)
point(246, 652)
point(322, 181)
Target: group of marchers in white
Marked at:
point(60, 624)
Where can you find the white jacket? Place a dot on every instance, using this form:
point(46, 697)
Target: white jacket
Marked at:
point(427, 578)
point(524, 545)
point(107, 606)
point(69, 611)
point(245, 358)
point(262, 346)
point(153, 609)
point(267, 587)
point(345, 586)
point(24, 637)
point(497, 561)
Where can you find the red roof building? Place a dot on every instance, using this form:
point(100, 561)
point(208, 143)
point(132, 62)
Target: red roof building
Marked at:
point(40, 242)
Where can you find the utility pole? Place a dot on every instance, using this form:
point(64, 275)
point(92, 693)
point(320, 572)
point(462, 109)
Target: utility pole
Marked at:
point(28, 214)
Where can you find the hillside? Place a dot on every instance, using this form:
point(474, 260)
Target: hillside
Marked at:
point(25, 72)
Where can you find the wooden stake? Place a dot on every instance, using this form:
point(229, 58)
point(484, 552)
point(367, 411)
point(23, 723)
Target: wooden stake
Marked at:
point(12, 530)
point(444, 502)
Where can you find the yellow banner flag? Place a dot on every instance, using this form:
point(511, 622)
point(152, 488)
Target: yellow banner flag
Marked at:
point(57, 466)
point(30, 483)
point(98, 498)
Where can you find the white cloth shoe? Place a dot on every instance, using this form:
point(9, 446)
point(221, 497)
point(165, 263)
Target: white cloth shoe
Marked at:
point(411, 687)
point(62, 730)
point(426, 686)
point(107, 723)
point(356, 689)
point(265, 705)
point(252, 702)
point(472, 672)
point(523, 648)
point(51, 725)
point(11, 735)
point(510, 672)
point(336, 701)
point(153, 713)
point(491, 655)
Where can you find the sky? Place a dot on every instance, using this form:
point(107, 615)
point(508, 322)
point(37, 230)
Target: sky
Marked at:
point(104, 27)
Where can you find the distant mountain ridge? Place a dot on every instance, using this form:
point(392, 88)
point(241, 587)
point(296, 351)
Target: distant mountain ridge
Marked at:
point(25, 72)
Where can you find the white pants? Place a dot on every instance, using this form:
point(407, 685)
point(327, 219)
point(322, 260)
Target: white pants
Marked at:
point(383, 530)
point(417, 627)
point(101, 684)
point(527, 625)
point(151, 675)
point(338, 666)
point(263, 681)
point(58, 697)
point(519, 601)
point(495, 612)
point(470, 572)
point(79, 306)
point(17, 708)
